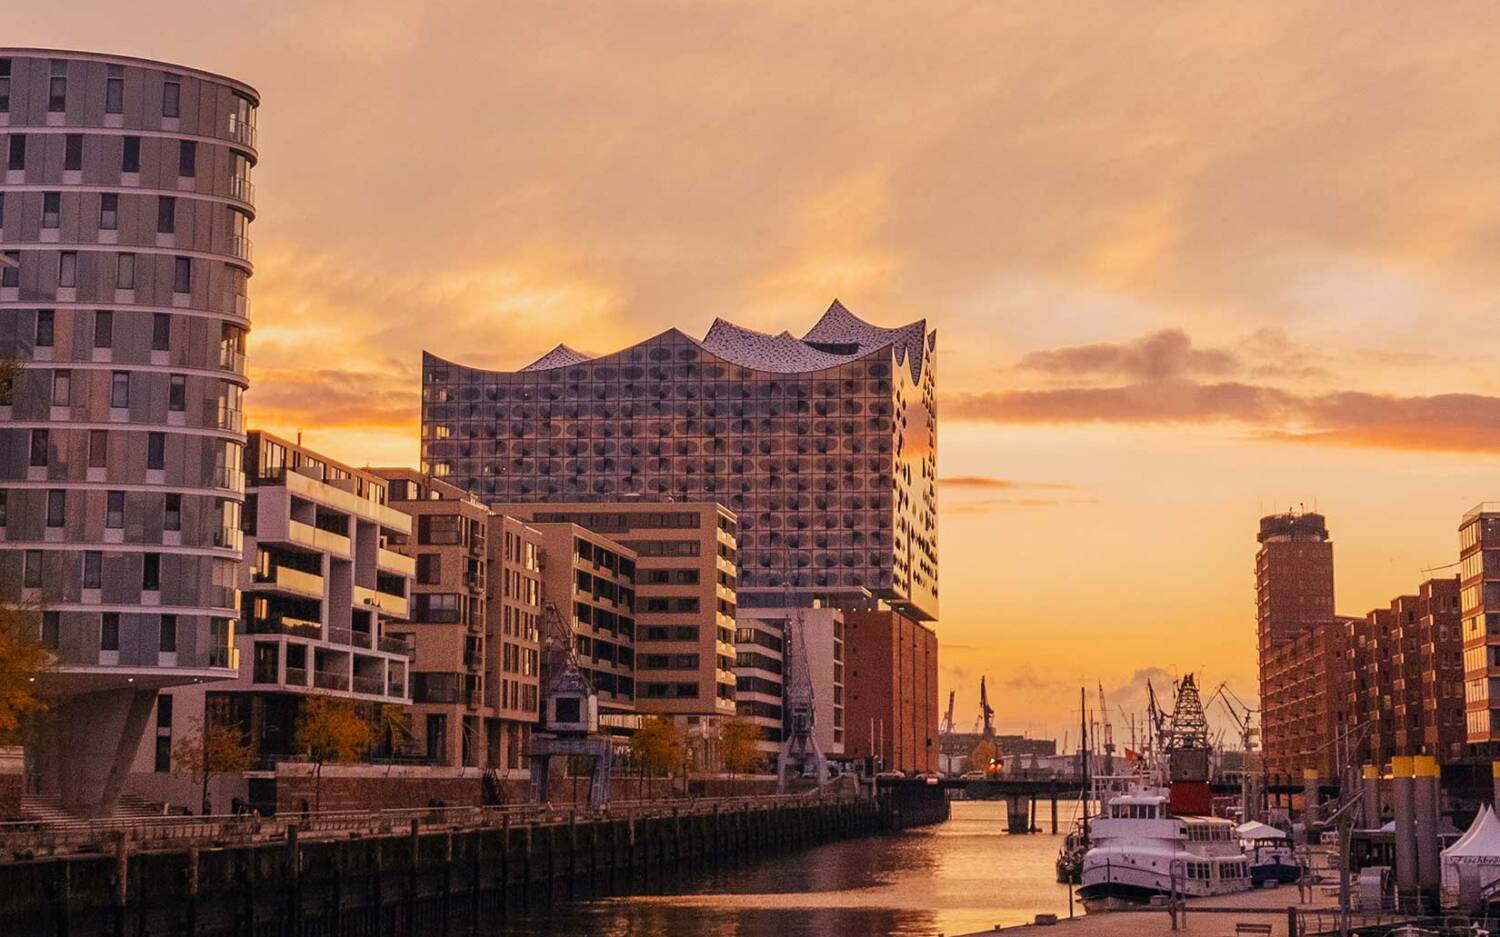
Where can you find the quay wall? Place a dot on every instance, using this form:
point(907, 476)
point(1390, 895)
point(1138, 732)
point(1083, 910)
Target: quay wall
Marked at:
point(426, 881)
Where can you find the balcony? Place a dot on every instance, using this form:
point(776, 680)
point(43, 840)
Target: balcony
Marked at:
point(227, 477)
point(284, 624)
point(393, 562)
point(286, 579)
point(296, 676)
point(325, 541)
point(240, 246)
point(231, 360)
point(330, 681)
point(388, 604)
point(371, 686)
point(243, 189)
point(240, 131)
point(394, 645)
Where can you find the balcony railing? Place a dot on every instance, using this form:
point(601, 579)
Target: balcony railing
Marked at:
point(316, 537)
point(242, 189)
point(284, 624)
point(296, 676)
point(395, 645)
point(240, 246)
point(231, 360)
point(374, 686)
point(330, 681)
point(293, 579)
point(389, 604)
point(241, 132)
point(396, 562)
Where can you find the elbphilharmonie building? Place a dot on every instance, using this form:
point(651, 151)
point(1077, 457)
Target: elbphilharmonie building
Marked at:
point(824, 446)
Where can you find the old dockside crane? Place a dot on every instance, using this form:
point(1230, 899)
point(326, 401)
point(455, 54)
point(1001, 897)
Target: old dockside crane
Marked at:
point(570, 714)
point(801, 756)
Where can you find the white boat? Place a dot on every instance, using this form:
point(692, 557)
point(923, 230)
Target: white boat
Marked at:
point(1143, 851)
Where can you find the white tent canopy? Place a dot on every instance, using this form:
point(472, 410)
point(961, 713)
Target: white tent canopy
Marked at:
point(1477, 850)
point(1257, 830)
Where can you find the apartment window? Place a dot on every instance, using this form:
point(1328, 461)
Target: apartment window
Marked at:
point(125, 272)
point(51, 626)
point(130, 158)
point(57, 89)
point(38, 447)
point(4, 85)
point(151, 572)
point(187, 159)
point(177, 393)
point(11, 276)
point(98, 448)
point(161, 331)
point(164, 709)
point(2, 209)
point(182, 275)
point(109, 631)
point(51, 209)
point(17, 152)
point(62, 388)
point(44, 327)
point(429, 569)
point(104, 329)
point(55, 507)
point(166, 217)
point(67, 269)
point(114, 510)
point(169, 635)
point(119, 390)
point(172, 513)
point(171, 99)
point(4, 508)
point(109, 212)
point(114, 93)
point(156, 450)
point(31, 571)
point(93, 565)
point(73, 152)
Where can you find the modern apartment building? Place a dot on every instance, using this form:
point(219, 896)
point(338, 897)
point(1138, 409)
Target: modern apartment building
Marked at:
point(319, 587)
point(1294, 605)
point(474, 607)
point(1429, 706)
point(125, 206)
point(591, 579)
point(824, 447)
point(891, 703)
point(684, 596)
point(768, 655)
point(1479, 575)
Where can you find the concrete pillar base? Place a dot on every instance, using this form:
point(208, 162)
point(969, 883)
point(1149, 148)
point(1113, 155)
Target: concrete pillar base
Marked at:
point(87, 748)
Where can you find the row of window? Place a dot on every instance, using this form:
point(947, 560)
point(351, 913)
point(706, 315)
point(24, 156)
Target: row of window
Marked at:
point(130, 155)
point(114, 90)
point(119, 390)
point(109, 215)
point(67, 272)
point(31, 571)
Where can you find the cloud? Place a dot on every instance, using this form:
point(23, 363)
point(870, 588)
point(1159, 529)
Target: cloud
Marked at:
point(988, 505)
point(1159, 356)
point(985, 482)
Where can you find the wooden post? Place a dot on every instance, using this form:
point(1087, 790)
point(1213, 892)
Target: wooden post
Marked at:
point(64, 889)
point(376, 898)
point(411, 876)
point(1054, 813)
point(1291, 921)
point(294, 880)
point(447, 880)
point(122, 881)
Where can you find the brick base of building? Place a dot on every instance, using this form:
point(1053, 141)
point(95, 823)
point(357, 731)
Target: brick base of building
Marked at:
point(12, 782)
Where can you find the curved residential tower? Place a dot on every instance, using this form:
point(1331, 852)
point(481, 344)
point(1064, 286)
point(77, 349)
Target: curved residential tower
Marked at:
point(125, 205)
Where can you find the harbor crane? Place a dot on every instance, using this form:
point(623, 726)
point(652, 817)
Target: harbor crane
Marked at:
point(947, 728)
point(986, 712)
point(801, 755)
point(1108, 734)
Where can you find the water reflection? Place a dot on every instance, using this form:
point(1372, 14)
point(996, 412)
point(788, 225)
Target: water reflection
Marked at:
point(962, 876)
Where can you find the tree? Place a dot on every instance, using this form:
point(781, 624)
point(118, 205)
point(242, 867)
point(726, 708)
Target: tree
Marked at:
point(213, 748)
point(392, 726)
point(737, 738)
point(658, 744)
point(330, 730)
point(10, 372)
point(982, 755)
point(22, 658)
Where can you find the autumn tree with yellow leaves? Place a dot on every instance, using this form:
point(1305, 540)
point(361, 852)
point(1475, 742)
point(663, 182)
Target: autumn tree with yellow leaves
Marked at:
point(331, 730)
point(211, 748)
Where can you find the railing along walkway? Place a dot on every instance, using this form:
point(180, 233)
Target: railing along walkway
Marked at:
point(30, 839)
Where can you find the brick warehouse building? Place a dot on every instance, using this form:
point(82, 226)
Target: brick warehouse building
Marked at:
point(891, 692)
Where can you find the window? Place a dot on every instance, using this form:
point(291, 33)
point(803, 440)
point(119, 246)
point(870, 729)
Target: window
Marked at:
point(172, 514)
point(104, 329)
point(38, 447)
point(156, 450)
point(114, 93)
point(51, 209)
point(151, 572)
point(93, 563)
point(182, 275)
point(57, 88)
point(5, 86)
point(62, 388)
point(11, 276)
point(31, 572)
point(177, 393)
point(4, 507)
point(98, 448)
point(166, 217)
point(161, 331)
point(130, 158)
point(73, 152)
point(171, 99)
point(187, 159)
point(119, 390)
point(55, 507)
point(51, 625)
point(109, 631)
point(67, 269)
point(125, 272)
point(17, 152)
point(429, 568)
point(109, 212)
point(169, 635)
point(114, 510)
point(438, 529)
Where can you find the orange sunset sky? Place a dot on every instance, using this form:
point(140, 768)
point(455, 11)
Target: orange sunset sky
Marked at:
point(1188, 262)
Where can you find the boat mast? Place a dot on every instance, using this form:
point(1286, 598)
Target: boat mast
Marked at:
point(1083, 755)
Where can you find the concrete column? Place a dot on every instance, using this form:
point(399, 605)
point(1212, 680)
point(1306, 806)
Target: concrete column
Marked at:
point(1425, 817)
point(88, 746)
point(1369, 805)
point(1405, 816)
point(1309, 797)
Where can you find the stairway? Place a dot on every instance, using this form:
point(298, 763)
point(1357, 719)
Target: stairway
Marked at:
point(47, 808)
